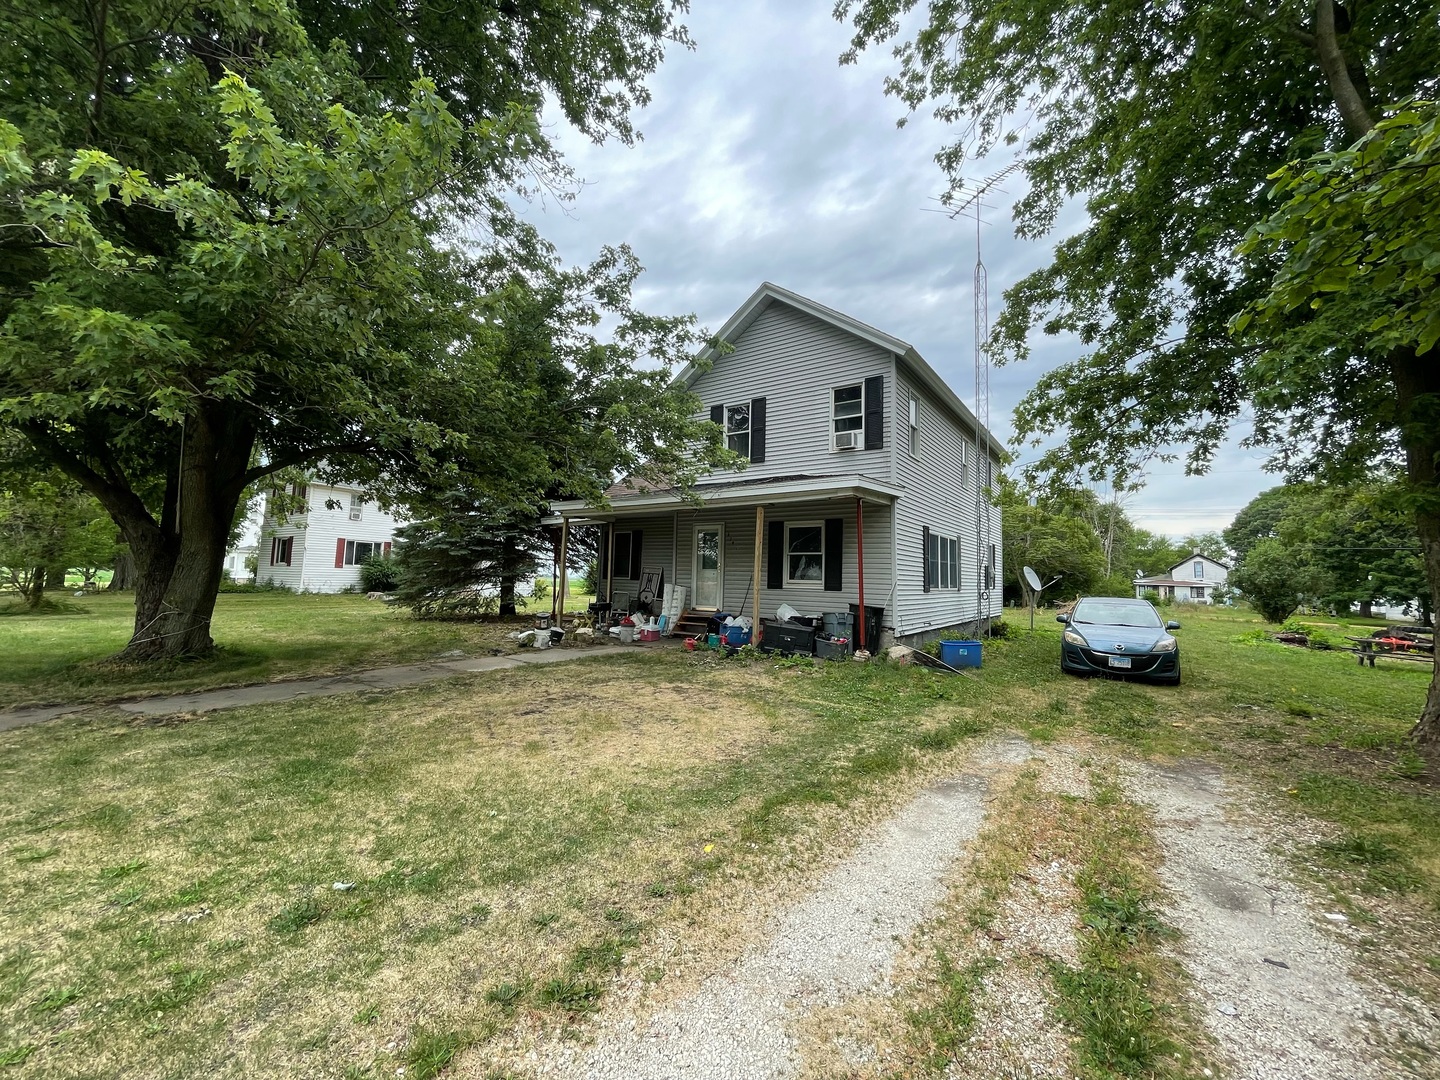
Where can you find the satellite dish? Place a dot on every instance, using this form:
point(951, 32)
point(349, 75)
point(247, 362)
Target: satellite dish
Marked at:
point(1032, 579)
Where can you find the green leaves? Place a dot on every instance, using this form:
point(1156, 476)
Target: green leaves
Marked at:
point(1164, 123)
point(1365, 219)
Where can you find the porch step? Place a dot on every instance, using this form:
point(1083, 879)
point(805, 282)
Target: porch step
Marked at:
point(691, 624)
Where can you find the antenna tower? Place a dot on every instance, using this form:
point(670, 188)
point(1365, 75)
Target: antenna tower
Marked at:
point(984, 475)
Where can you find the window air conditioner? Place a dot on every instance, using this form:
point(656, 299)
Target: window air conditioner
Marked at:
point(847, 440)
point(354, 515)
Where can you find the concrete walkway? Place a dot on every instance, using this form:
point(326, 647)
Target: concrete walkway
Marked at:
point(387, 678)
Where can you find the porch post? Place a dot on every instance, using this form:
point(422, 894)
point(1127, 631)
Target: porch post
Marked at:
point(759, 536)
point(610, 567)
point(860, 563)
point(564, 572)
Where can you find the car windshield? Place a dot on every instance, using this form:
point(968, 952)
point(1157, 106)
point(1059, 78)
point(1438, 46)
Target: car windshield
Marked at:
point(1116, 613)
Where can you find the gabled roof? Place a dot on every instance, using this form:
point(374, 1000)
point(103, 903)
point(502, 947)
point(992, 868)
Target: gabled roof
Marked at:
point(769, 293)
point(1202, 555)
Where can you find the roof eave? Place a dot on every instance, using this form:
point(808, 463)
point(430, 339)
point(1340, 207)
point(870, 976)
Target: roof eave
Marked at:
point(760, 494)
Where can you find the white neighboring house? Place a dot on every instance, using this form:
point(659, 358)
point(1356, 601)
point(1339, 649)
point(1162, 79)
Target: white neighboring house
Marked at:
point(235, 558)
point(320, 549)
point(1192, 580)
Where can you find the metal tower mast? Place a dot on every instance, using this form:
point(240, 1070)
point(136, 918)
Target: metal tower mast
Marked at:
point(984, 474)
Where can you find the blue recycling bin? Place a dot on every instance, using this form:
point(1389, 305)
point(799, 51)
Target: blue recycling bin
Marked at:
point(960, 654)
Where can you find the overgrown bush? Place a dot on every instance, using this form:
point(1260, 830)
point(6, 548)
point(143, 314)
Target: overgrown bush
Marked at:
point(229, 585)
point(379, 573)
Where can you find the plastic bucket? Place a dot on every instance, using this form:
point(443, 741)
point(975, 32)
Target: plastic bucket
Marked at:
point(960, 654)
point(627, 635)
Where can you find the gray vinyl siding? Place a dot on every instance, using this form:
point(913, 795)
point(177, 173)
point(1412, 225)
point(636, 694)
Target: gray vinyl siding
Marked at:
point(793, 361)
point(739, 556)
point(942, 494)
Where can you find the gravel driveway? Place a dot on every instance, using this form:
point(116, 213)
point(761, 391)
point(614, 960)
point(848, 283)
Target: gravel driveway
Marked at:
point(1276, 990)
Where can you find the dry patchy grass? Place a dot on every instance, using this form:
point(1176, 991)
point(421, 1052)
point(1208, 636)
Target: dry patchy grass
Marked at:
point(513, 841)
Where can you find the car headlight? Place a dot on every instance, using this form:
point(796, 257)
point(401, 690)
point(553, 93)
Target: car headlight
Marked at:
point(1165, 644)
point(1074, 638)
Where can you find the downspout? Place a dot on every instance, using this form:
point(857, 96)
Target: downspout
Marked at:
point(759, 535)
point(860, 561)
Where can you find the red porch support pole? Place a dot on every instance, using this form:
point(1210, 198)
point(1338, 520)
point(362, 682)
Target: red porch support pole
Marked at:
point(860, 562)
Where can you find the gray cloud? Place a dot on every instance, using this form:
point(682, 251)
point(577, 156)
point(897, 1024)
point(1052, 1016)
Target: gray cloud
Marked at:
point(763, 159)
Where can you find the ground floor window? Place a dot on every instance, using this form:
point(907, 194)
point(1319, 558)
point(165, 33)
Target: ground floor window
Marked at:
point(1197, 592)
point(627, 555)
point(357, 551)
point(943, 562)
point(280, 549)
point(805, 553)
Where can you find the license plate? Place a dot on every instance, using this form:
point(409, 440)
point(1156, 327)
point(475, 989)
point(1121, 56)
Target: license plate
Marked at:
point(1120, 661)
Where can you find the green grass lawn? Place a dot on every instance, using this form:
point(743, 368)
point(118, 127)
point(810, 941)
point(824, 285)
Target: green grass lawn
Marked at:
point(261, 636)
point(510, 840)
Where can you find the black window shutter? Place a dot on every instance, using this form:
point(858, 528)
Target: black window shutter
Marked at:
point(875, 412)
point(757, 429)
point(925, 556)
point(635, 555)
point(834, 553)
point(606, 531)
point(775, 563)
point(717, 415)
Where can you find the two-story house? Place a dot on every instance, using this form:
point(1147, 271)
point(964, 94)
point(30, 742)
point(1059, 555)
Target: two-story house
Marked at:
point(867, 483)
point(1193, 580)
point(320, 548)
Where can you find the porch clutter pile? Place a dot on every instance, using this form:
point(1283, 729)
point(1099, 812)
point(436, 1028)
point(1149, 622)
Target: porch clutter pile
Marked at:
point(828, 635)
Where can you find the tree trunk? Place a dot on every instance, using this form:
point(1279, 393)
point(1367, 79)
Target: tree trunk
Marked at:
point(179, 571)
point(124, 575)
point(1417, 382)
point(35, 591)
point(1367, 609)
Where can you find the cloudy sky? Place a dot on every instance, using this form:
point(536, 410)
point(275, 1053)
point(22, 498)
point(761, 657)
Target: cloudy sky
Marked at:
point(763, 159)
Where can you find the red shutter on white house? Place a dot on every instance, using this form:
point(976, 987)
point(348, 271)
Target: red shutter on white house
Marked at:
point(340, 552)
point(274, 540)
point(386, 549)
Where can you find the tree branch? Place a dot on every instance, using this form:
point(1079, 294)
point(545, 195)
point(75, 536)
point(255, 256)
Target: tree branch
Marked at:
point(1337, 72)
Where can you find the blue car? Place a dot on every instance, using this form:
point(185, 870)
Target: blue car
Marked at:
point(1119, 635)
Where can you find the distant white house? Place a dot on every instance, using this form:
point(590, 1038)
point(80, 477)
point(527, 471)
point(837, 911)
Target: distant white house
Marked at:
point(235, 568)
point(320, 548)
point(1192, 580)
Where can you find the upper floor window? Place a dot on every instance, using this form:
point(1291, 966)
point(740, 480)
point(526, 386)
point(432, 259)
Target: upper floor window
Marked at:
point(744, 427)
point(847, 416)
point(356, 507)
point(915, 428)
point(737, 428)
point(804, 553)
point(1199, 569)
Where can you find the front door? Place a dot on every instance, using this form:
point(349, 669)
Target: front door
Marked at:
point(709, 566)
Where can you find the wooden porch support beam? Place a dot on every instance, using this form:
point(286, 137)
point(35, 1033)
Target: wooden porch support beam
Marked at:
point(860, 564)
point(610, 567)
point(759, 538)
point(564, 568)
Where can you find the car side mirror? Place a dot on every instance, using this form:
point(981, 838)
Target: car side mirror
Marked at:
point(1172, 625)
point(1062, 618)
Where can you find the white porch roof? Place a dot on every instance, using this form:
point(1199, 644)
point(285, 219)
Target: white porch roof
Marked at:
point(731, 493)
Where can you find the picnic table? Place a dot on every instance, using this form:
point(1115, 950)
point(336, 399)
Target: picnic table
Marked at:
point(1367, 648)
